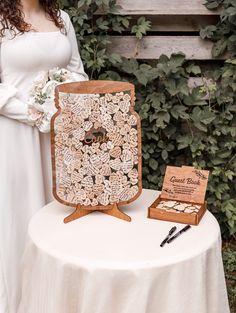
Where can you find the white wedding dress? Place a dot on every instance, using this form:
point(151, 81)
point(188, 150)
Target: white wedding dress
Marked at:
point(25, 169)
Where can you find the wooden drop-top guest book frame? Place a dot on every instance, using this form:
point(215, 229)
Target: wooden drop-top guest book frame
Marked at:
point(96, 147)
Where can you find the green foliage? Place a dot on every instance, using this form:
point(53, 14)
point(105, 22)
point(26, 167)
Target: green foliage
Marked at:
point(229, 259)
point(141, 28)
point(180, 125)
point(223, 34)
point(92, 31)
point(183, 126)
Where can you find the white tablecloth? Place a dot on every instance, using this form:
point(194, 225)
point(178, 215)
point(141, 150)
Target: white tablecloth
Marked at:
point(100, 264)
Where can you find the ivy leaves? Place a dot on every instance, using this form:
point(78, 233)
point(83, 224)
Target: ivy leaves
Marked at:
point(208, 31)
point(223, 34)
point(183, 125)
point(141, 27)
point(213, 4)
point(202, 117)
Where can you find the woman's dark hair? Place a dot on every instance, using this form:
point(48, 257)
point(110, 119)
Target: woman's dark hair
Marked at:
point(12, 17)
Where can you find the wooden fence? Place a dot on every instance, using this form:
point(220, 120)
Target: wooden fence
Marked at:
point(175, 28)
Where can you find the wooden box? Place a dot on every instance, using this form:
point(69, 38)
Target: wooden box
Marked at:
point(185, 218)
point(184, 185)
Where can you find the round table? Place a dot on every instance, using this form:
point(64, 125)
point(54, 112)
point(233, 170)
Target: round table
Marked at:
point(101, 264)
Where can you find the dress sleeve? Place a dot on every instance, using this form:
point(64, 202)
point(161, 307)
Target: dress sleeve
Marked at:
point(10, 105)
point(75, 64)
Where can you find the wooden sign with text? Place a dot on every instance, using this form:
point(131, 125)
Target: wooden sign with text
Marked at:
point(185, 184)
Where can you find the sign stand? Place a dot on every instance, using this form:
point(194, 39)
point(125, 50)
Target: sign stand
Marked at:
point(112, 210)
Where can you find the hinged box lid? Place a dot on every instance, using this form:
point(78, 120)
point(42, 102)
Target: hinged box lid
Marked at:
point(185, 184)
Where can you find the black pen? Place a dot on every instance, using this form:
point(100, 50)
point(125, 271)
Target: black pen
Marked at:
point(179, 233)
point(173, 229)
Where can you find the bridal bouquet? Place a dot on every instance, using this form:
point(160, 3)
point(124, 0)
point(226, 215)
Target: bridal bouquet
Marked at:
point(41, 105)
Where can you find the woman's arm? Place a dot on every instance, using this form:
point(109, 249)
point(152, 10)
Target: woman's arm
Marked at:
point(75, 64)
point(12, 107)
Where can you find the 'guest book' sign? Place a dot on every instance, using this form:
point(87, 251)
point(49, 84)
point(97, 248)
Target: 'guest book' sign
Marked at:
point(182, 197)
point(185, 184)
point(96, 147)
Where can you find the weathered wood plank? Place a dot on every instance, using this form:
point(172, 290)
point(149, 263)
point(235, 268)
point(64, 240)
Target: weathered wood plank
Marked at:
point(176, 23)
point(151, 47)
point(186, 23)
point(164, 7)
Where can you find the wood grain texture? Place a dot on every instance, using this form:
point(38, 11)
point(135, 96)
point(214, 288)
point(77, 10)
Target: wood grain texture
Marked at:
point(163, 7)
point(151, 47)
point(112, 210)
point(185, 184)
point(186, 23)
point(175, 23)
point(184, 218)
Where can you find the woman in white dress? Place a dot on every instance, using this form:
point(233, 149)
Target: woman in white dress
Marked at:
point(34, 36)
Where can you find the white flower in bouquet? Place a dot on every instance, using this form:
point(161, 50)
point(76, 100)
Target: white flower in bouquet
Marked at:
point(41, 98)
point(40, 82)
